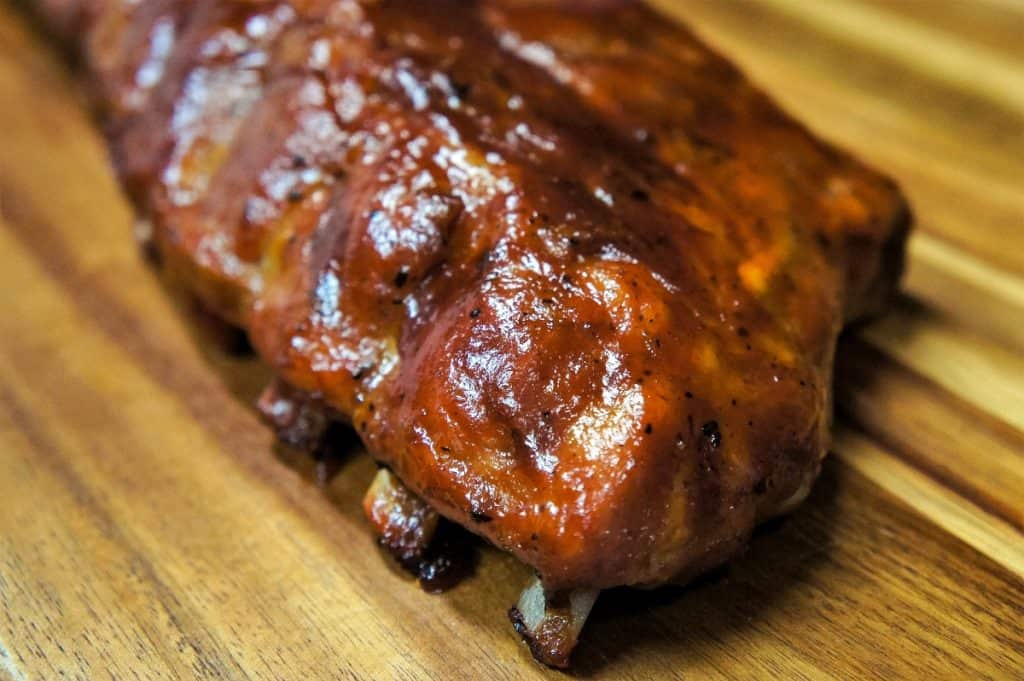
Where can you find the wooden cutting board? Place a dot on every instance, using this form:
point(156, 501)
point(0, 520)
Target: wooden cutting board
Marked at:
point(149, 527)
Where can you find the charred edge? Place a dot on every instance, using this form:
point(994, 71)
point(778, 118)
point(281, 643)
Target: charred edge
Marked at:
point(541, 653)
point(442, 565)
point(299, 419)
point(550, 622)
point(434, 550)
point(448, 559)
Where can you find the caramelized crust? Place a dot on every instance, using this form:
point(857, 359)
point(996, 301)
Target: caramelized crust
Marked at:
point(569, 275)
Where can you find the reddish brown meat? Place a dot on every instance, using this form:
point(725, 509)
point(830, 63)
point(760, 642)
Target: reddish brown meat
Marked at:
point(568, 273)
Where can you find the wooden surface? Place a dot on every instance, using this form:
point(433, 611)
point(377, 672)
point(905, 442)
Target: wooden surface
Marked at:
point(150, 529)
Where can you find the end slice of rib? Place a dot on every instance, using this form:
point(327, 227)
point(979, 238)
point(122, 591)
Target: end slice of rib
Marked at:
point(551, 623)
point(404, 523)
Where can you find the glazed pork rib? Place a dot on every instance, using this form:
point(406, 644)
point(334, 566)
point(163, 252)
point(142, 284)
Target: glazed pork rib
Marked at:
point(569, 275)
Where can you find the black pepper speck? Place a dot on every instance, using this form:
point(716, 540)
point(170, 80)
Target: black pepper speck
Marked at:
point(711, 432)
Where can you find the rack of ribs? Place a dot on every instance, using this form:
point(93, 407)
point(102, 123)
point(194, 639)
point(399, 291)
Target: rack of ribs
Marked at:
point(573, 280)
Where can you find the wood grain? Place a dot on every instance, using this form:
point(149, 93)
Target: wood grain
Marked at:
point(150, 528)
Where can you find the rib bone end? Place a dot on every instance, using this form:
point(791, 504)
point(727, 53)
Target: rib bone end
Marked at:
point(402, 521)
point(551, 623)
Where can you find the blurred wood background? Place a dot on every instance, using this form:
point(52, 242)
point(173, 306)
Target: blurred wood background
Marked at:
point(149, 528)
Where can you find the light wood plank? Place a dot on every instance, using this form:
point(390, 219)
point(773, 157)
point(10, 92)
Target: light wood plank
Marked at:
point(996, 539)
point(970, 366)
point(967, 448)
point(987, 300)
point(966, 67)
